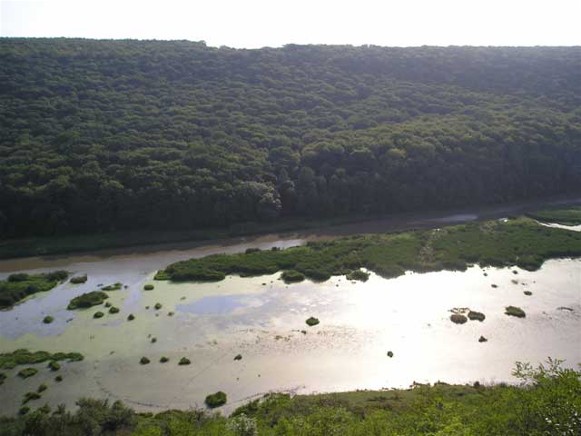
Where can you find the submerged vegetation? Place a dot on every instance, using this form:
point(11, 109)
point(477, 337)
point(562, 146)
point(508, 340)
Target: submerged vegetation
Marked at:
point(87, 300)
point(24, 357)
point(521, 242)
point(19, 286)
point(547, 402)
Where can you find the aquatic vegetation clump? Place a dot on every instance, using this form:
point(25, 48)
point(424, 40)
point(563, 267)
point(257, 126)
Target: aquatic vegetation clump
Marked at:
point(528, 293)
point(21, 285)
point(476, 316)
point(312, 321)
point(30, 396)
point(53, 365)
point(163, 359)
point(76, 280)
point(24, 357)
point(42, 387)
point(48, 319)
point(144, 360)
point(514, 311)
point(216, 400)
point(482, 339)
point(238, 357)
point(358, 274)
point(27, 372)
point(87, 300)
point(113, 310)
point(458, 318)
point(184, 361)
point(98, 314)
point(130, 317)
point(114, 287)
point(157, 306)
point(390, 354)
point(148, 287)
point(292, 276)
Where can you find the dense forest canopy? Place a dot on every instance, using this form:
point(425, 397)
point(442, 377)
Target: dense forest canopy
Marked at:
point(110, 135)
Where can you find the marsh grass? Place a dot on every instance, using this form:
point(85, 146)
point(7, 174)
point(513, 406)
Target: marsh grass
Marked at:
point(521, 242)
point(19, 286)
point(27, 372)
point(292, 276)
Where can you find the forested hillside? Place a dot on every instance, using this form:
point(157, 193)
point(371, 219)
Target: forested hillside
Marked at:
point(109, 135)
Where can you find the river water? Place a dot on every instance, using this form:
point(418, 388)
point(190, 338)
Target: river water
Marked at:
point(263, 319)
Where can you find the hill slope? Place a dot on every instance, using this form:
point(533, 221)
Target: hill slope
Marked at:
point(110, 135)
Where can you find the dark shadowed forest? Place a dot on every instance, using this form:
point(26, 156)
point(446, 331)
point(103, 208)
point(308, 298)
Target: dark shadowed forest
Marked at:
point(110, 135)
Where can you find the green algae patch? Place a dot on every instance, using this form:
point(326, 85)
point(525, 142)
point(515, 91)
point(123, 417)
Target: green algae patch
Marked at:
point(87, 300)
point(24, 357)
point(20, 285)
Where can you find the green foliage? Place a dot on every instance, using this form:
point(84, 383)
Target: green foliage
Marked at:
point(130, 317)
point(163, 359)
point(98, 314)
point(3, 377)
point(48, 319)
point(157, 306)
point(569, 216)
point(27, 372)
point(101, 135)
point(24, 357)
point(79, 279)
point(492, 243)
point(113, 310)
point(514, 311)
point(19, 286)
point(358, 275)
point(42, 387)
point(89, 299)
point(312, 321)
point(114, 287)
point(216, 399)
point(144, 360)
point(148, 287)
point(292, 276)
point(54, 365)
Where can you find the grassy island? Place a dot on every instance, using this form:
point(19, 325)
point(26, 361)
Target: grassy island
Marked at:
point(569, 216)
point(87, 300)
point(19, 286)
point(25, 357)
point(522, 242)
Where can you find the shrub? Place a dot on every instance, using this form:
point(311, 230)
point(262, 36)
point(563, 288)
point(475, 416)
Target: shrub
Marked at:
point(252, 250)
point(292, 276)
point(48, 319)
point(53, 365)
point(79, 279)
point(216, 400)
point(98, 315)
point(89, 299)
point(458, 318)
point(476, 316)
point(184, 361)
point(58, 378)
point(163, 359)
point(148, 287)
point(27, 372)
point(157, 306)
point(131, 317)
point(312, 321)
point(113, 310)
point(18, 277)
point(514, 311)
point(42, 387)
point(144, 360)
